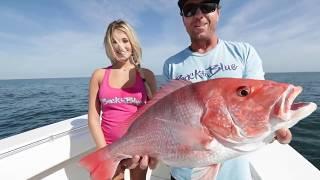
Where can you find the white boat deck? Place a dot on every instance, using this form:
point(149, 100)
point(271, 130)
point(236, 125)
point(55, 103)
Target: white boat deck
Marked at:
point(53, 152)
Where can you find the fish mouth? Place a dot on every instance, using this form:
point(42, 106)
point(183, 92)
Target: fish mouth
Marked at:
point(286, 109)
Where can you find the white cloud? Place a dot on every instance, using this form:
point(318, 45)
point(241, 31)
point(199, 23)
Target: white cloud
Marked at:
point(63, 54)
point(157, 47)
point(285, 33)
point(10, 16)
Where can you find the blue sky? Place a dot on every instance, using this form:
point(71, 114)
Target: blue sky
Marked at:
point(64, 38)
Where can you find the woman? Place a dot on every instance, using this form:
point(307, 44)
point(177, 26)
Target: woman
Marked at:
point(118, 90)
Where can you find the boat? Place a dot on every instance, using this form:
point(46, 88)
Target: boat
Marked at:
point(52, 152)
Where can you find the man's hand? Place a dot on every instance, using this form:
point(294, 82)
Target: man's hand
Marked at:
point(136, 160)
point(284, 136)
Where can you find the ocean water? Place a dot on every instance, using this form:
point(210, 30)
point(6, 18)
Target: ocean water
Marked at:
point(32, 103)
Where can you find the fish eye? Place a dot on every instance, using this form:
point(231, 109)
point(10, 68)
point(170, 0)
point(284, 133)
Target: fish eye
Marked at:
point(243, 91)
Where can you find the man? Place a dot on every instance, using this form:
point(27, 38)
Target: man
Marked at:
point(209, 57)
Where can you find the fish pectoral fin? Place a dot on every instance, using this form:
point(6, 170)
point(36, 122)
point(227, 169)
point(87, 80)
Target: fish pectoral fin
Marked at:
point(196, 138)
point(191, 137)
point(205, 173)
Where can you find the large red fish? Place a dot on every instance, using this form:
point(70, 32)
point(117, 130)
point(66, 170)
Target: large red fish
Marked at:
point(205, 123)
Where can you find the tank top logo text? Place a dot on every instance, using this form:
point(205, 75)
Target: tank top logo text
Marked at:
point(121, 100)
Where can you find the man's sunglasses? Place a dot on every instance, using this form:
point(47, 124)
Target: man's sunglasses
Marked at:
point(191, 9)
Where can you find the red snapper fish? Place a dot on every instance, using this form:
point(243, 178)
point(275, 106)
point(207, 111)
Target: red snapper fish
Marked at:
point(203, 124)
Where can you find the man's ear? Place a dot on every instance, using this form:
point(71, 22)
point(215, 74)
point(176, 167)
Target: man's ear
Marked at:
point(183, 21)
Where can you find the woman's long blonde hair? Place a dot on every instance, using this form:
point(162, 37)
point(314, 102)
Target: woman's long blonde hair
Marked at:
point(136, 48)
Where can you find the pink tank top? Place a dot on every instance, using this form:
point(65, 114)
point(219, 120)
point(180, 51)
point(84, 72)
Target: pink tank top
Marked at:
point(118, 104)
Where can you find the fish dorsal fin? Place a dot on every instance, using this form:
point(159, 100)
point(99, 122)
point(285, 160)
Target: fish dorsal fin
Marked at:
point(165, 90)
point(168, 88)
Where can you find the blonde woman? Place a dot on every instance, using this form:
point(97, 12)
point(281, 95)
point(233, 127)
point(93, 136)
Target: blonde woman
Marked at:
point(118, 91)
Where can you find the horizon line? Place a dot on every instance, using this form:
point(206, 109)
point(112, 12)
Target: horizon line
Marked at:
point(73, 77)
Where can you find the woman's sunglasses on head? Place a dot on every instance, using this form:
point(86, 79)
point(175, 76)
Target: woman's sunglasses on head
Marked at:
point(191, 9)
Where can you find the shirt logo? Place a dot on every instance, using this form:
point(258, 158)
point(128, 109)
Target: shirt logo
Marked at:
point(207, 73)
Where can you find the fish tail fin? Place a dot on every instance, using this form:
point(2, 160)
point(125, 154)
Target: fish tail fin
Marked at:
point(100, 164)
